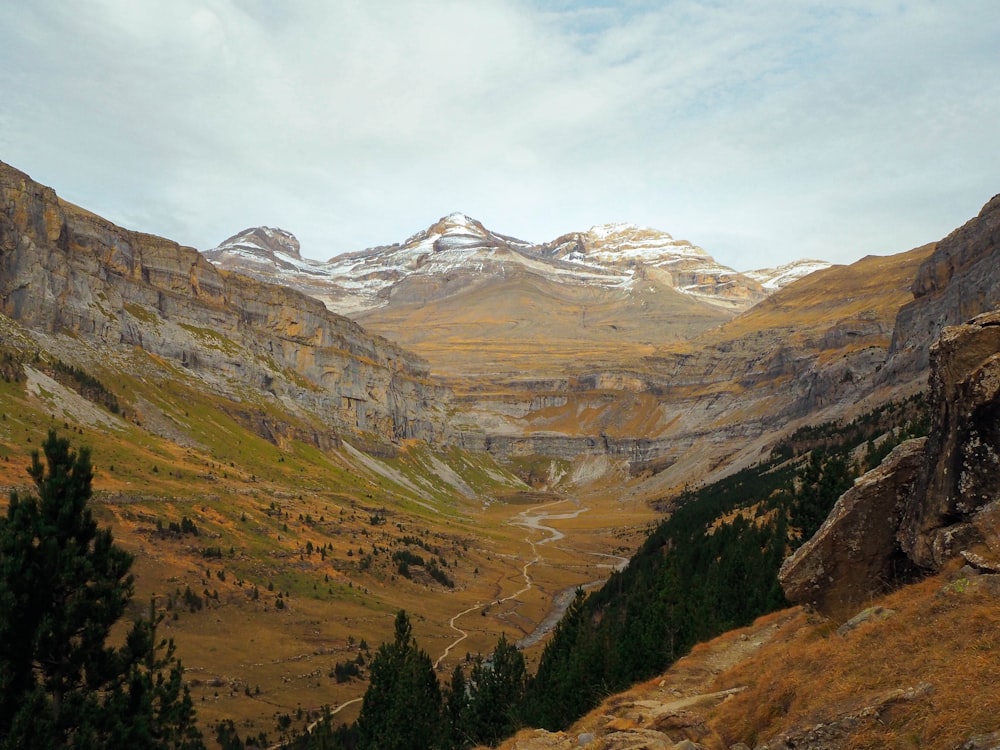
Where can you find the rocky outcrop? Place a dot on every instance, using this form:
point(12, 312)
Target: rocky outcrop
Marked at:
point(854, 555)
point(65, 270)
point(834, 731)
point(963, 455)
point(921, 506)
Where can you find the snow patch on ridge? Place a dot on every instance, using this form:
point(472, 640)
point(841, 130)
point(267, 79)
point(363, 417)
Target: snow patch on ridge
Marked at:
point(773, 279)
point(609, 256)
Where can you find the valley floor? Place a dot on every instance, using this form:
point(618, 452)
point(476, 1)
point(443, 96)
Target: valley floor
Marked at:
point(250, 661)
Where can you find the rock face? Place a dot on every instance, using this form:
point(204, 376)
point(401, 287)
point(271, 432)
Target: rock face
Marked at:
point(65, 270)
point(921, 506)
point(959, 280)
point(963, 455)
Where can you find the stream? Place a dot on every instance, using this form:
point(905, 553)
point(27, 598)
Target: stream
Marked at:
point(534, 519)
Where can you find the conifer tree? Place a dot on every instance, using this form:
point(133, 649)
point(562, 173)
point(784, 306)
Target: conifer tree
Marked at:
point(498, 690)
point(402, 707)
point(457, 710)
point(63, 586)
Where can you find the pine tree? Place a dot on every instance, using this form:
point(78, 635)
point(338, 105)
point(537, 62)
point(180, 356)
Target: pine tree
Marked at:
point(402, 707)
point(457, 710)
point(64, 585)
point(498, 690)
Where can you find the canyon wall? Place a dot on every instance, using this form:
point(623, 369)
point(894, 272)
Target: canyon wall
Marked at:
point(65, 270)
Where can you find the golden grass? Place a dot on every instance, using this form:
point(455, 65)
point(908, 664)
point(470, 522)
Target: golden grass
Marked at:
point(229, 481)
point(873, 289)
point(943, 635)
point(526, 325)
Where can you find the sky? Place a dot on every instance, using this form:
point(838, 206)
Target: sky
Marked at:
point(762, 130)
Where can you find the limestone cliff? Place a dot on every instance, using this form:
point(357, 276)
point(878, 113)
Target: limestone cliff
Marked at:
point(65, 270)
point(959, 280)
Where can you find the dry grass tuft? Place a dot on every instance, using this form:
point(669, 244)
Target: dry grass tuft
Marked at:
point(944, 635)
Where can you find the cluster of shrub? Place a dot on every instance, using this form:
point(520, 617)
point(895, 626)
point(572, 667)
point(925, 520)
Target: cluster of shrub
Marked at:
point(404, 559)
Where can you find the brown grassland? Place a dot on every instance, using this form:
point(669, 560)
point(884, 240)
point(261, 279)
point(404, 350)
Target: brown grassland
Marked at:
point(291, 569)
point(942, 643)
point(920, 676)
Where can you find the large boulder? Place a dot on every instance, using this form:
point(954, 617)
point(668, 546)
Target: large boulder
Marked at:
point(854, 555)
point(929, 499)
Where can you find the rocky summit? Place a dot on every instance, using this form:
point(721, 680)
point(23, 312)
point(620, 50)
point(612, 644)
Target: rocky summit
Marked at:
point(458, 251)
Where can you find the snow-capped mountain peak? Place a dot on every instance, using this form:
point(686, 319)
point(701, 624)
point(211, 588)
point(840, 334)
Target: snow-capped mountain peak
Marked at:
point(457, 250)
point(263, 252)
point(264, 241)
point(773, 279)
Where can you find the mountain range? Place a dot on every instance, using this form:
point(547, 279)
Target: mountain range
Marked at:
point(475, 381)
point(458, 252)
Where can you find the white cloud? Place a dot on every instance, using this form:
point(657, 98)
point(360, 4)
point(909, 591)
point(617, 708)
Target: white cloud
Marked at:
point(763, 131)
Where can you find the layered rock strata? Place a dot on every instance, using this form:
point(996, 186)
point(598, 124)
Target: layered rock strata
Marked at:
point(65, 270)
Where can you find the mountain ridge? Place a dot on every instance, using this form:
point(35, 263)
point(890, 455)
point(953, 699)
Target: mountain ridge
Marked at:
point(609, 256)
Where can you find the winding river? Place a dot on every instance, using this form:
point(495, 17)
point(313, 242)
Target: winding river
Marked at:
point(535, 520)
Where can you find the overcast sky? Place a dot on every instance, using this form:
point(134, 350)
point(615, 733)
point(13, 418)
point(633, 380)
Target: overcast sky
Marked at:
point(761, 130)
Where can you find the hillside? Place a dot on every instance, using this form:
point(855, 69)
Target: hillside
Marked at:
point(909, 674)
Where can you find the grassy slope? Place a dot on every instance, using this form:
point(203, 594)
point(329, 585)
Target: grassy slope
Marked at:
point(180, 454)
point(529, 326)
point(872, 289)
point(945, 633)
point(929, 666)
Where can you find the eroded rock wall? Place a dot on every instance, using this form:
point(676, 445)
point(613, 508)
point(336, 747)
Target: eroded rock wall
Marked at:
point(960, 280)
point(65, 270)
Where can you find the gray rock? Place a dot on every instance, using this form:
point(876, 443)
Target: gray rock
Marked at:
point(963, 452)
point(983, 742)
point(865, 615)
point(959, 280)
